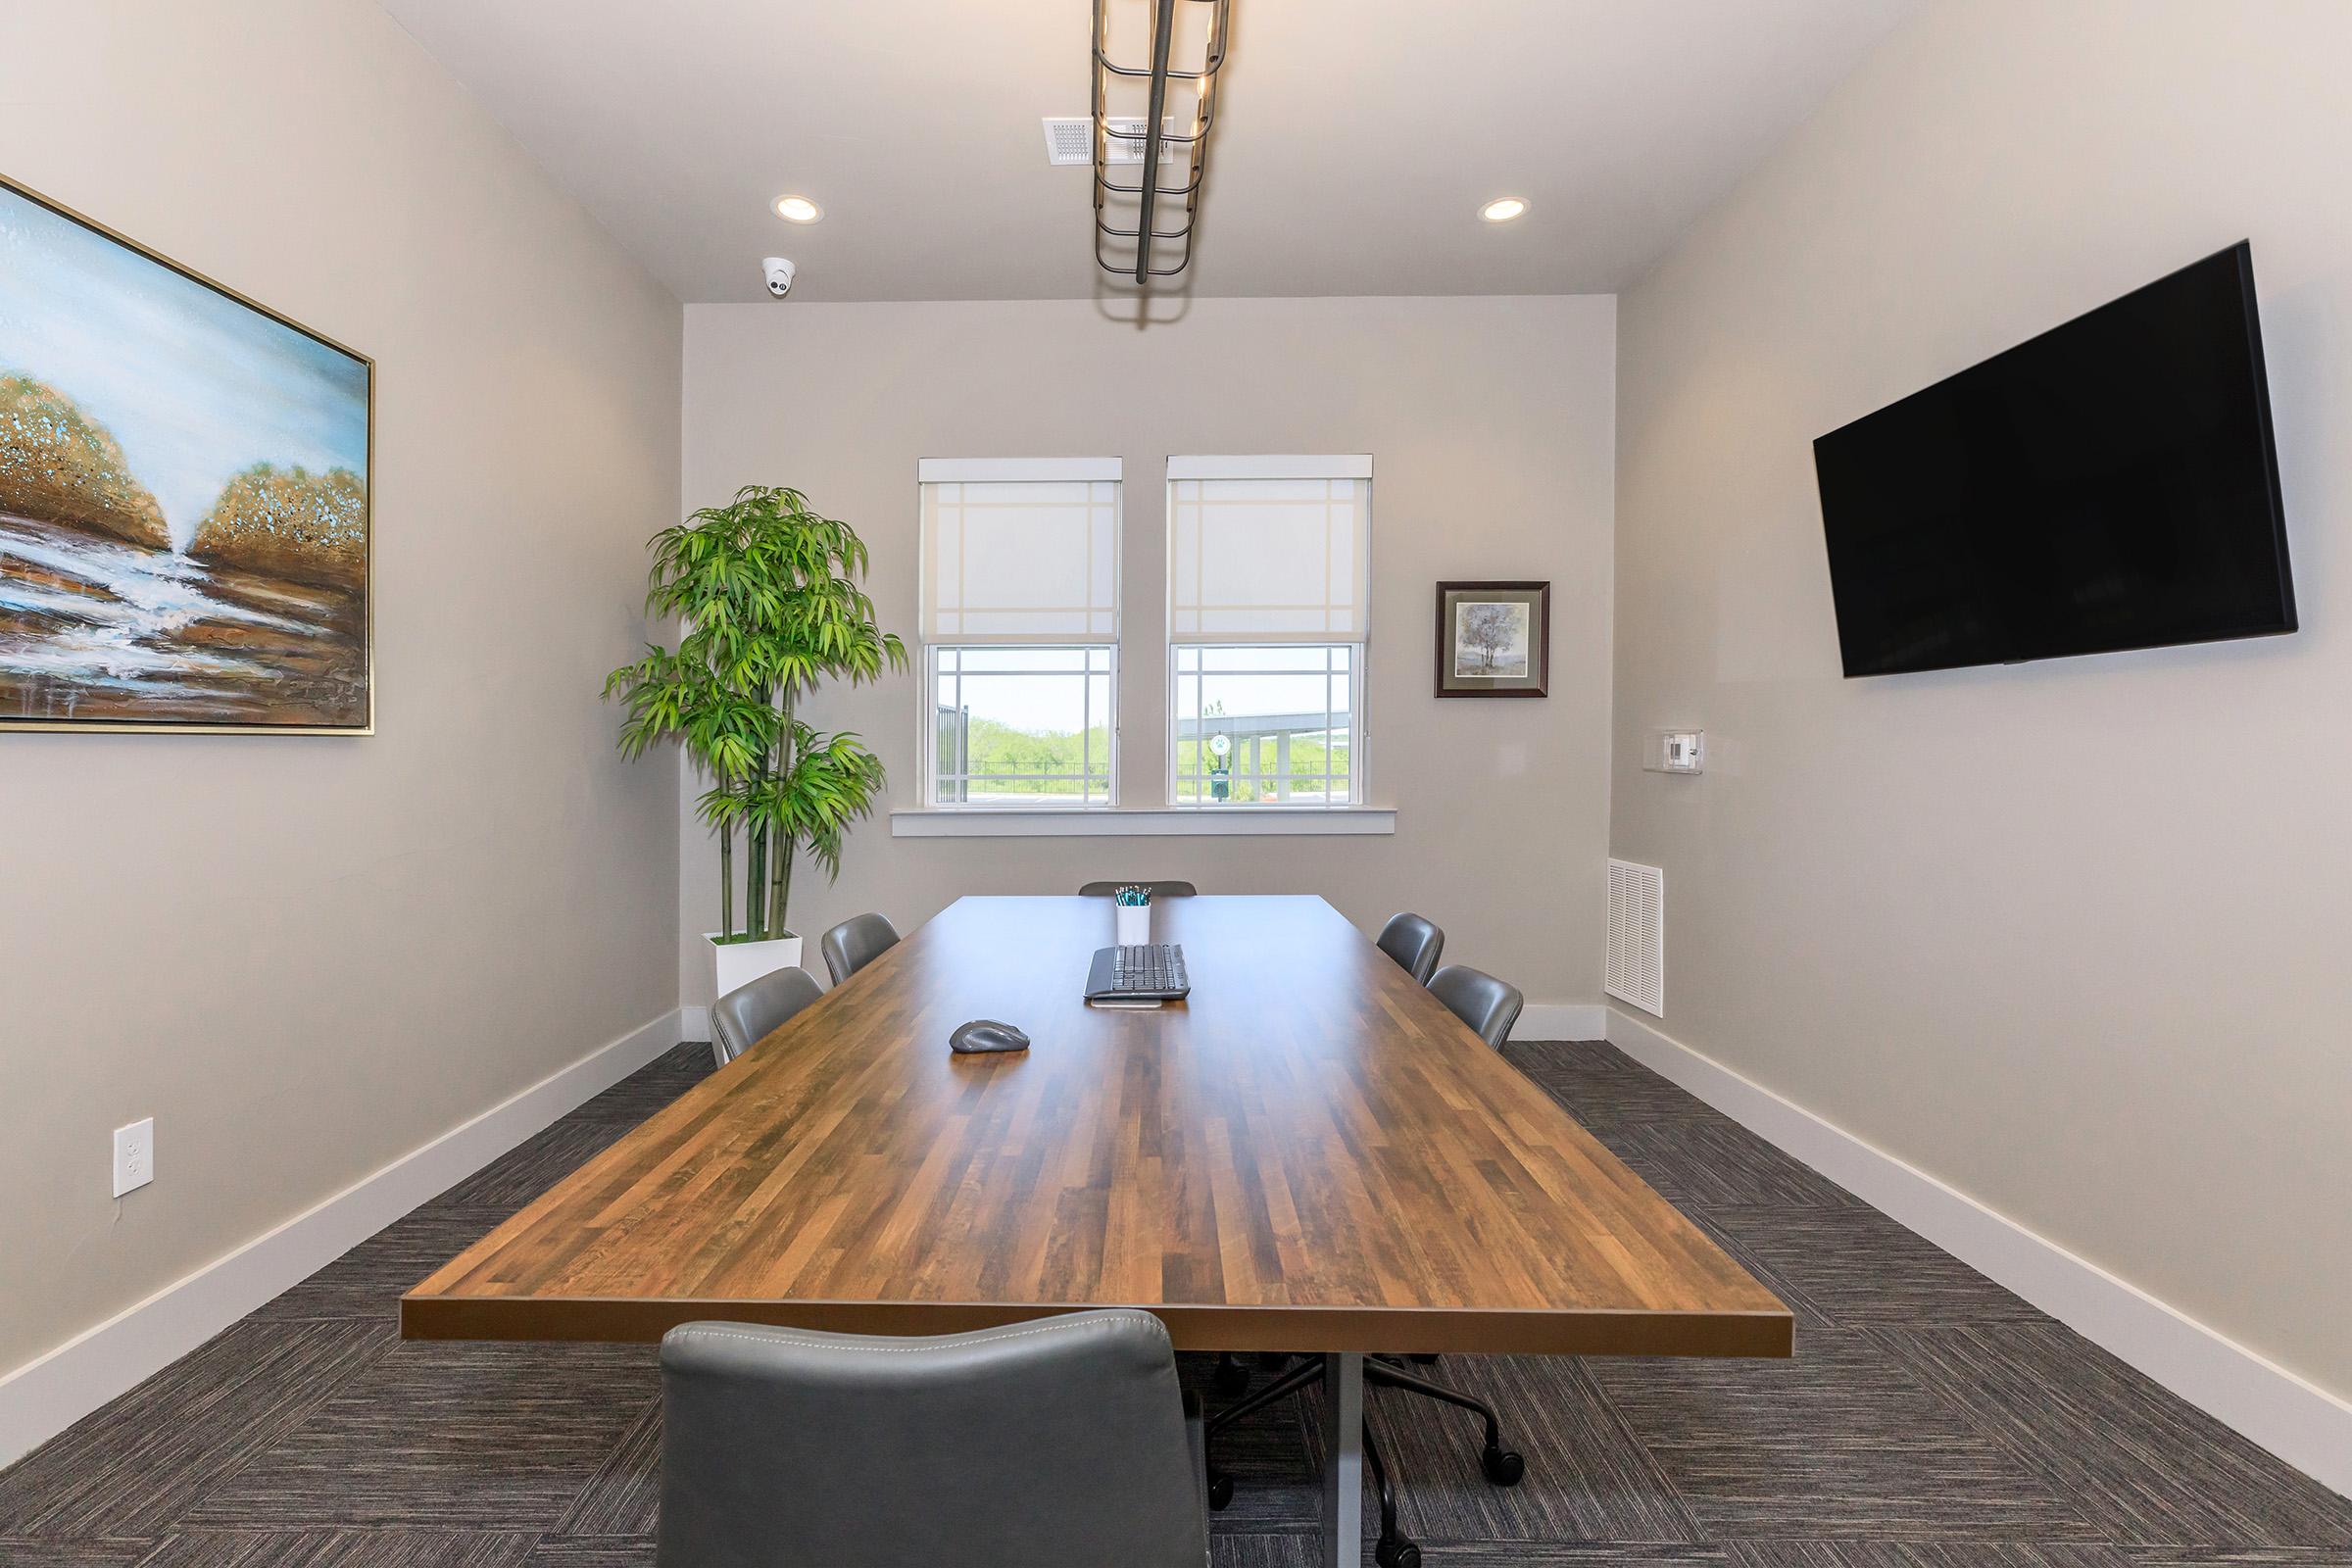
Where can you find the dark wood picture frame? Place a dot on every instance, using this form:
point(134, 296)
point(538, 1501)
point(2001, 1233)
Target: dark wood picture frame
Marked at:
point(1537, 681)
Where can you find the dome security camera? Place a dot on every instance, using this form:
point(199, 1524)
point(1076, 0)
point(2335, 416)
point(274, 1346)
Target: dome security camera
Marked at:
point(780, 273)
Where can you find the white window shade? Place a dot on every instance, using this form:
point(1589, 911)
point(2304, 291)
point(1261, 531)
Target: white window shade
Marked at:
point(1019, 560)
point(1282, 554)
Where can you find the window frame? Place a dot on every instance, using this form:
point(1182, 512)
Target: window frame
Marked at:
point(1276, 466)
point(928, 718)
point(1356, 749)
point(1020, 471)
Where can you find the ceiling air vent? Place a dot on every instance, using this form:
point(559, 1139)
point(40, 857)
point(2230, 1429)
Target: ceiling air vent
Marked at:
point(1072, 141)
point(1636, 971)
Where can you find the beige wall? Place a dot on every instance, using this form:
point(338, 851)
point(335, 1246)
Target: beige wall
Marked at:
point(1489, 421)
point(2069, 936)
point(305, 957)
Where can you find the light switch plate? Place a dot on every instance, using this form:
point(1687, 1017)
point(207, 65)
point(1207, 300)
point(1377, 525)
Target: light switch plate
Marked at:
point(134, 1155)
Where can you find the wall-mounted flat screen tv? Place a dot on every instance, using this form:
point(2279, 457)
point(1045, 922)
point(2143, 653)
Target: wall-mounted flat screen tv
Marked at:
point(2109, 484)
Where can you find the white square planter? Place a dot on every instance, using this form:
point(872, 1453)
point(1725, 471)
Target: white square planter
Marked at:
point(739, 963)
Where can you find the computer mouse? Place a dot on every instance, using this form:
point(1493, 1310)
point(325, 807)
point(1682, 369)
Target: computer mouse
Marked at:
point(986, 1034)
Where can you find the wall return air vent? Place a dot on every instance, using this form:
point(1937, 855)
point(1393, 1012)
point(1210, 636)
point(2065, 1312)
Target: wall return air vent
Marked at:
point(1636, 971)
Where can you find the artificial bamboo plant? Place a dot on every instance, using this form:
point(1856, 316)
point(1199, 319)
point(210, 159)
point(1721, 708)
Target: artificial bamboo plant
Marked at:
point(766, 593)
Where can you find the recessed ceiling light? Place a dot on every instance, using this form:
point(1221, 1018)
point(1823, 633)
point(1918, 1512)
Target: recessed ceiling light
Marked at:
point(797, 210)
point(1503, 209)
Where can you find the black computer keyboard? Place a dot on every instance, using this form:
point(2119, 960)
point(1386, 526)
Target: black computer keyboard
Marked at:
point(1157, 967)
point(1138, 976)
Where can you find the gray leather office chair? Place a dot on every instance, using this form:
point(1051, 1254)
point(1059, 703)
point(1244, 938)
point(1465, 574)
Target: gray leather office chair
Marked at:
point(1058, 1443)
point(744, 1017)
point(1414, 943)
point(1489, 1007)
point(1160, 890)
point(855, 943)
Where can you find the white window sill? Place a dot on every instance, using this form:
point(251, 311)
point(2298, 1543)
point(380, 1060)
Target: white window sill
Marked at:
point(1238, 821)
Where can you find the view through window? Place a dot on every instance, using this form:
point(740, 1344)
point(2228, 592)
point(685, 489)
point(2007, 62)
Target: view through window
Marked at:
point(1265, 725)
point(1021, 725)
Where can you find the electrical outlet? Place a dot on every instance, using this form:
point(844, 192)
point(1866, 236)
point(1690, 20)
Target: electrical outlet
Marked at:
point(134, 1155)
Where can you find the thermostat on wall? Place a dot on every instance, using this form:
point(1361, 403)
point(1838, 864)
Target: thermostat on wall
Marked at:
point(1676, 750)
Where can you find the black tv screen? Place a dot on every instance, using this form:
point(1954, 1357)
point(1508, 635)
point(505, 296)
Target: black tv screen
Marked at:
point(2109, 484)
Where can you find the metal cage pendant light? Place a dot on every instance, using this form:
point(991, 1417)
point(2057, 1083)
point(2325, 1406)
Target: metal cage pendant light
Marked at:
point(1119, 128)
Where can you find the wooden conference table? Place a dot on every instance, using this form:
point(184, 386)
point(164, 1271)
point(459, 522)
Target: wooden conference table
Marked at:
point(1311, 1155)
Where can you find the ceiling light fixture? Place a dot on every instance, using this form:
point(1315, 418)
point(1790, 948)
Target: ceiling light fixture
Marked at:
point(1502, 209)
point(1131, 252)
point(797, 210)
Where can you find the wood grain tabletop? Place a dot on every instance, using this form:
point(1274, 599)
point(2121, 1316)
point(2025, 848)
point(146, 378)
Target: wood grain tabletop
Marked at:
point(1310, 1154)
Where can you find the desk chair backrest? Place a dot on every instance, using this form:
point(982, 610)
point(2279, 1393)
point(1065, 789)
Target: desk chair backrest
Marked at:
point(1489, 1007)
point(746, 1014)
point(1160, 890)
point(855, 943)
point(1056, 1443)
point(1414, 943)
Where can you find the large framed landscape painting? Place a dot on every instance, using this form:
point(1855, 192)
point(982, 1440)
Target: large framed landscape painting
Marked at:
point(184, 522)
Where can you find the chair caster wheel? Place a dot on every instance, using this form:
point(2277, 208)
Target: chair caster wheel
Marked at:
point(1221, 1490)
point(1503, 1467)
point(1395, 1552)
point(1231, 1380)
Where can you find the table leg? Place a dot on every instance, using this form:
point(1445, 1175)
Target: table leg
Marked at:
point(1344, 1461)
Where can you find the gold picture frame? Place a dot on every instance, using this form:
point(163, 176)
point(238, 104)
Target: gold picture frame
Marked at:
point(247, 621)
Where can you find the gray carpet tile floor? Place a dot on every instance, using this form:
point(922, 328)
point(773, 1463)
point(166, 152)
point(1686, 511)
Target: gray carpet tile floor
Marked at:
point(1929, 1419)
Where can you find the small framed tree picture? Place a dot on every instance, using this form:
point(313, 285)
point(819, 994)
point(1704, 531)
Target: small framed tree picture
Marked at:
point(1494, 639)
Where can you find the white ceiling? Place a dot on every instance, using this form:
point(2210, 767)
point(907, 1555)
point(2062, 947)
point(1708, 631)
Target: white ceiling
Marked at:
point(1357, 138)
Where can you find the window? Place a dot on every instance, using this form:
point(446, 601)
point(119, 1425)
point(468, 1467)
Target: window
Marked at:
point(1269, 578)
point(1019, 626)
point(1019, 725)
point(1265, 725)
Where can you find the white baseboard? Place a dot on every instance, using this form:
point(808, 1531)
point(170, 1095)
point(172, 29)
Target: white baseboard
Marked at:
point(53, 1391)
point(694, 1023)
point(1561, 1020)
point(2300, 1422)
